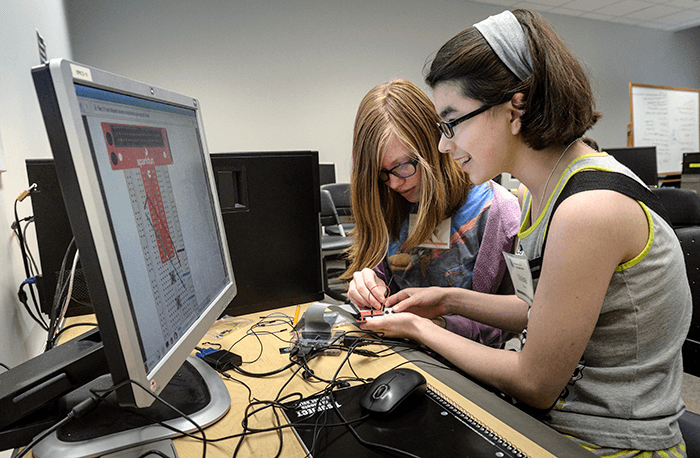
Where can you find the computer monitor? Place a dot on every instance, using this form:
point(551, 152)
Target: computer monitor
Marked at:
point(690, 174)
point(133, 166)
point(639, 159)
point(326, 171)
point(270, 201)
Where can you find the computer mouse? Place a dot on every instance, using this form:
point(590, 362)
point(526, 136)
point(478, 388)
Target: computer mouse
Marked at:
point(389, 389)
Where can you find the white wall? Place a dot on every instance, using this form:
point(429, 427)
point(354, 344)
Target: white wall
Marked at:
point(290, 74)
point(22, 136)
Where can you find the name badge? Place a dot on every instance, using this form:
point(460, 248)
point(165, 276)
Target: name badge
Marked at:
point(519, 268)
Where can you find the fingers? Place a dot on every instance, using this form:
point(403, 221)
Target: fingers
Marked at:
point(399, 301)
point(380, 324)
point(366, 290)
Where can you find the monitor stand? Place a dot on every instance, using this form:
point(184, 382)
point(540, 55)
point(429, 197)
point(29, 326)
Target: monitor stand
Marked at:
point(196, 390)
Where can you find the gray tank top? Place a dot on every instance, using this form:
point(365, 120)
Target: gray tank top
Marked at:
point(625, 392)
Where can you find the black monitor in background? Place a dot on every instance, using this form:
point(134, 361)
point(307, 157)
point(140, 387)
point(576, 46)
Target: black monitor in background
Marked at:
point(53, 236)
point(134, 170)
point(691, 164)
point(270, 203)
point(326, 172)
point(639, 159)
point(690, 174)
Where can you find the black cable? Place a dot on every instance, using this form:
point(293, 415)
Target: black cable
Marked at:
point(43, 435)
point(250, 392)
point(22, 296)
point(78, 411)
point(102, 393)
point(33, 268)
point(5, 366)
point(20, 238)
point(264, 374)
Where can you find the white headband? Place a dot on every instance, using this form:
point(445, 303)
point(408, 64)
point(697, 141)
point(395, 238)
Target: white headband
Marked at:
point(506, 37)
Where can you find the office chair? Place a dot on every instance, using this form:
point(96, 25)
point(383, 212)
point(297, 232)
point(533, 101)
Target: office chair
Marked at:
point(682, 205)
point(690, 427)
point(690, 422)
point(340, 193)
point(690, 243)
point(332, 246)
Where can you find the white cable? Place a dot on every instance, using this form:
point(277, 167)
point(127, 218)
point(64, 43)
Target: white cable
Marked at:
point(64, 309)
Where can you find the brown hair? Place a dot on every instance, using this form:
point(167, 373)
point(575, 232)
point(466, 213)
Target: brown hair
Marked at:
point(558, 100)
point(398, 109)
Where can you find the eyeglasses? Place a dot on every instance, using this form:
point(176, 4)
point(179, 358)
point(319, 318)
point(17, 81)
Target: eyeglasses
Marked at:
point(403, 170)
point(447, 128)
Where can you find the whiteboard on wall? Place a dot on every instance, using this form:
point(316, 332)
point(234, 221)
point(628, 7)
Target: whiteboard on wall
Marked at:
point(668, 118)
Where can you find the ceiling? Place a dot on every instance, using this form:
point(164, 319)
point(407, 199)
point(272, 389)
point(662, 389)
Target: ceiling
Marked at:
point(671, 15)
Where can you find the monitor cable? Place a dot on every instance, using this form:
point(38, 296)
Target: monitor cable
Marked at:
point(83, 408)
point(26, 258)
point(23, 298)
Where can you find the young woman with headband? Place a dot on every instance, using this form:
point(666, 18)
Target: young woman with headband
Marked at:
point(609, 307)
point(419, 220)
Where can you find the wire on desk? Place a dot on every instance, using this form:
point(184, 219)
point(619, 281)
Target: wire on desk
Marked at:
point(348, 341)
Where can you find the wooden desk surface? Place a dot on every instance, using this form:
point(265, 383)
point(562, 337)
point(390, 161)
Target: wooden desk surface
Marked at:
point(267, 356)
point(263, 354)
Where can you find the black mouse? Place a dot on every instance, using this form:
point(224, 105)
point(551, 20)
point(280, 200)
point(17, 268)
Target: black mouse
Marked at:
point(389, 389)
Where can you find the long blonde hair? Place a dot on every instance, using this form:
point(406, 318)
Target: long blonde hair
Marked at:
point(398, 109)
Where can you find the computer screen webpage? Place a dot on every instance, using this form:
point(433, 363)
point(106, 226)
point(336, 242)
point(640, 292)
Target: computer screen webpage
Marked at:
point(153, 181)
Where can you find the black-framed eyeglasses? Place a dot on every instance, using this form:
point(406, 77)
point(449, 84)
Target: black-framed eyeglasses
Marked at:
point(403, 170)
point(447, 128)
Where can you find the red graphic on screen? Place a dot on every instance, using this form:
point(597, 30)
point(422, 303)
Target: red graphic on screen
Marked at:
point(144, 148)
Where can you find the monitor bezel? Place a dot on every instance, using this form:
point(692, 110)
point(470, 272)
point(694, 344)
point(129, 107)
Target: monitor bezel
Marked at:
point(89, 219)
point(626, 153)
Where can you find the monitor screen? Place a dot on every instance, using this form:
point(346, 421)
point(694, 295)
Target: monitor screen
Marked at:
point(639, 159)
point(270, 202)
point(133, 166)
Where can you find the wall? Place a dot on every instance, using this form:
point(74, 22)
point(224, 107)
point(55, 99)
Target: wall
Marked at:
point(290, 74)
point(22, 136)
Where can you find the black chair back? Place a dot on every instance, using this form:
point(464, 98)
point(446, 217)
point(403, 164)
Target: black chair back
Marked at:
point(690, 243)
point(682, 205)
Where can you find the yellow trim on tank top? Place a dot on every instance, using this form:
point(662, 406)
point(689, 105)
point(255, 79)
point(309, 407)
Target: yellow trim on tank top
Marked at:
point(522, 232)
point(632, 262)
point(650, 241)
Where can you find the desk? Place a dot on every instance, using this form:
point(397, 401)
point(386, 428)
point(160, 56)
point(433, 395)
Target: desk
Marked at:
point(521, 430)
